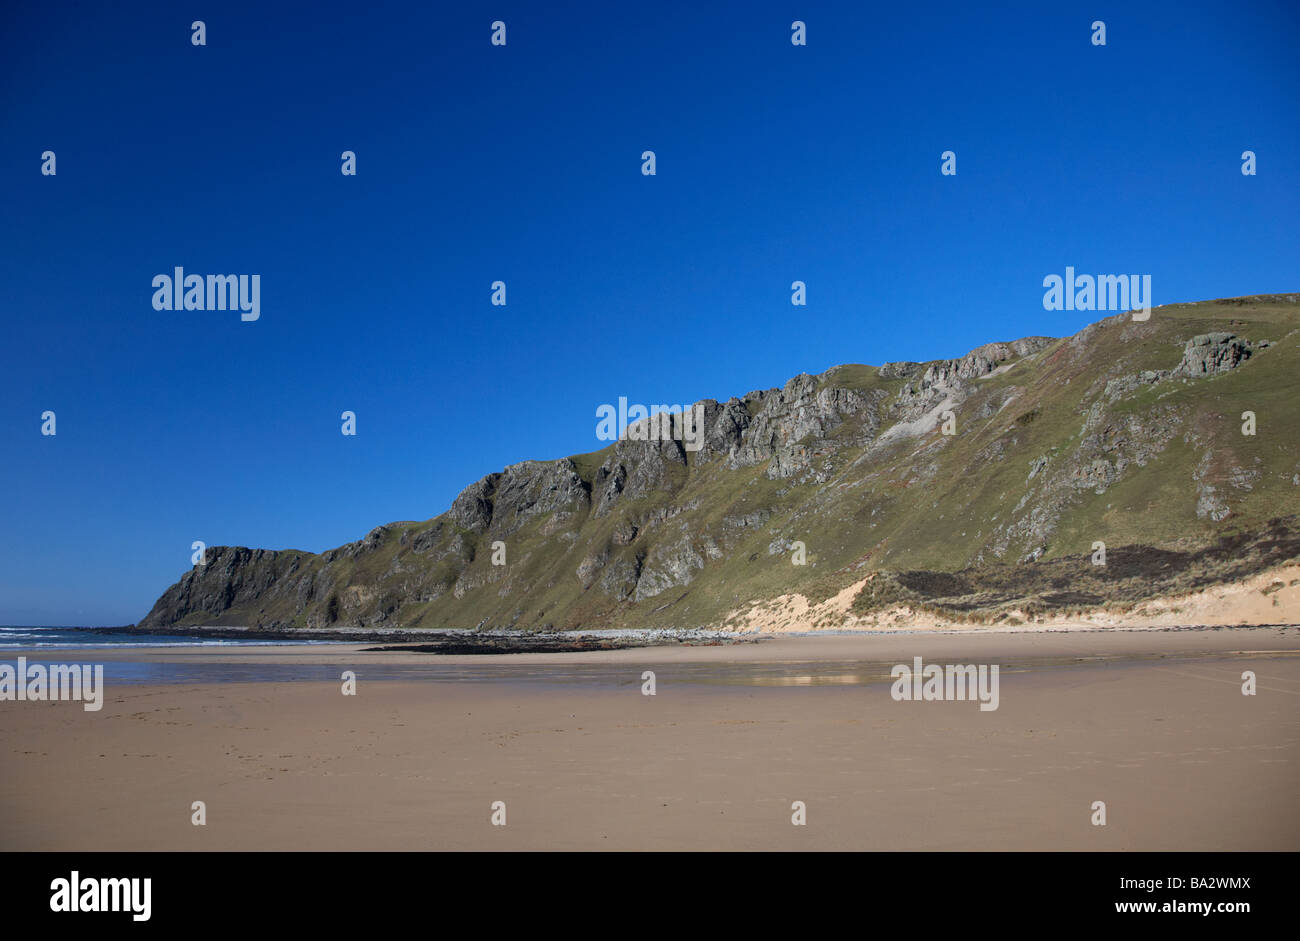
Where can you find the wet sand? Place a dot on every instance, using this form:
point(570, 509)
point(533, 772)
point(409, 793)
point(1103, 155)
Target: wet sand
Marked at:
point(1151, 722)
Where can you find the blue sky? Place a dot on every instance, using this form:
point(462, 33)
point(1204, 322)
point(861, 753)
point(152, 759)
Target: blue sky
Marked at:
point(522, 164)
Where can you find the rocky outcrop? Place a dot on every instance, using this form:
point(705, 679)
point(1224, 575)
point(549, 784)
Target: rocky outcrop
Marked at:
point(795, 424)
point(1211, 353)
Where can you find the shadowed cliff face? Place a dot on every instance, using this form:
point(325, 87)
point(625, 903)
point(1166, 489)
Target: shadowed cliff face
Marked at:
point(1128, 433)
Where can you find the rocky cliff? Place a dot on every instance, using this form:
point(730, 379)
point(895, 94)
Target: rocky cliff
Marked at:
point(1010, 459)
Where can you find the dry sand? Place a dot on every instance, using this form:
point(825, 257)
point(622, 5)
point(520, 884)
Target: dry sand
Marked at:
point(1151, 722)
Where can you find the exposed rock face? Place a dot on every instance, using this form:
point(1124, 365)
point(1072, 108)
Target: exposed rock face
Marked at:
point(1210, 353)
point(473, 508)
point(235, 576)
point(854, 464)
point(500, 504)
point(948, 381)
point(792, 424)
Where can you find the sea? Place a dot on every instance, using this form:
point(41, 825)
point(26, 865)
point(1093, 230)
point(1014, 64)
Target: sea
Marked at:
point(24, 638)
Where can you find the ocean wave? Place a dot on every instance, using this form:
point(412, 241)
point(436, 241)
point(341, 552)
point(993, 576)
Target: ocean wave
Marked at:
point(114, 644)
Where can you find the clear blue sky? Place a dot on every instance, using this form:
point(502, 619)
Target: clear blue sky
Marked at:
point(477, 163)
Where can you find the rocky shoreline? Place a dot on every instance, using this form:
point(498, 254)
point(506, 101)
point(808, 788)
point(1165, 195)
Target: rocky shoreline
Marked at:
point(452, 641)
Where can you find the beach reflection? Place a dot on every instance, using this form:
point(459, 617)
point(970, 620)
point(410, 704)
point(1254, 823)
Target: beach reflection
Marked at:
point(789, 674)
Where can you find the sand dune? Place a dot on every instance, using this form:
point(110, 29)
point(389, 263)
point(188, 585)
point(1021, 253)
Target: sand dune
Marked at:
point(1272, 597)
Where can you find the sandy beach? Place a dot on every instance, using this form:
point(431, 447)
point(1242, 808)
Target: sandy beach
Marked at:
point(1152, 722)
